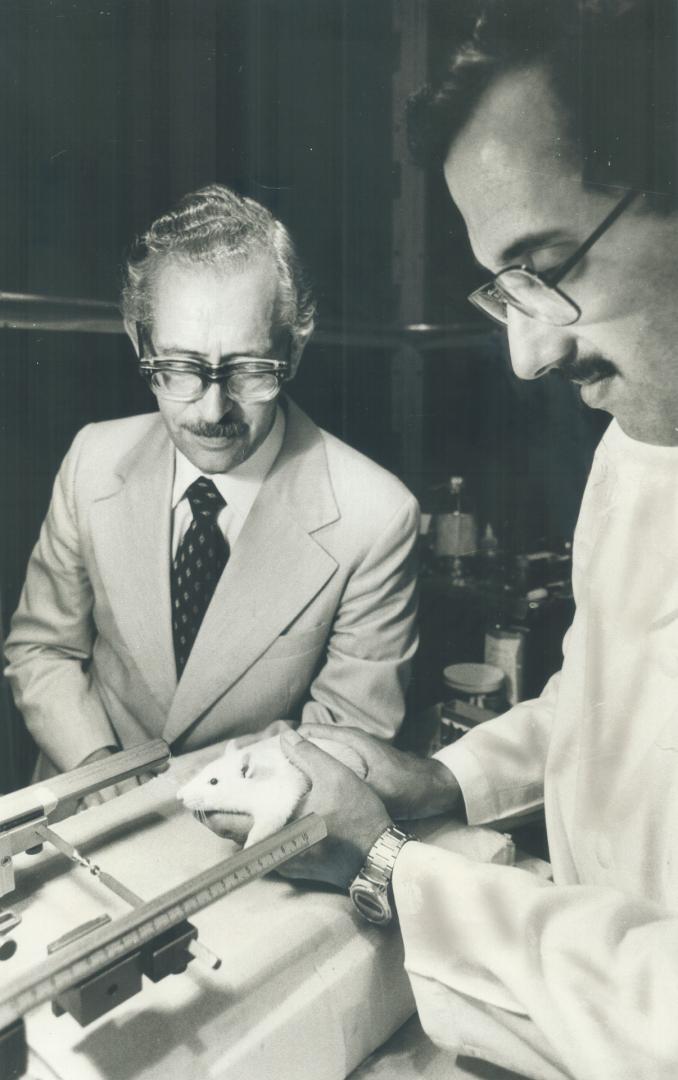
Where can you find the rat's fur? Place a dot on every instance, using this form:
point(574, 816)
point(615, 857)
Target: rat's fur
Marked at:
point(260, 781)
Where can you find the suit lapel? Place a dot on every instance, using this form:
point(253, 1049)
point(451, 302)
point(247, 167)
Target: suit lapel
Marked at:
point(276, 569)
point(131, 537)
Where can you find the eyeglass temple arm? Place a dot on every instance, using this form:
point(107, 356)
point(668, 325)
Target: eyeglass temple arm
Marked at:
point(141, 342)
point(564, 268)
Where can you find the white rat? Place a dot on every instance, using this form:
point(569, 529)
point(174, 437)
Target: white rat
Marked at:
point(260, 781)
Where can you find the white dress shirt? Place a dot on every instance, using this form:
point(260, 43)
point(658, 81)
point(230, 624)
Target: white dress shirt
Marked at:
point(239, 487)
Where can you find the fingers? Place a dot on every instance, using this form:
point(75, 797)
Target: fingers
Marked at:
point(304, 755)
point(347, 755)
point(346, 735)
point(87, 801)
point(230, 826)
point(298, 868)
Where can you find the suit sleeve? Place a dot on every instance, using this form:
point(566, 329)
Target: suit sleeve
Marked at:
point(374, 637)
point(593, 969)
point(53, 633)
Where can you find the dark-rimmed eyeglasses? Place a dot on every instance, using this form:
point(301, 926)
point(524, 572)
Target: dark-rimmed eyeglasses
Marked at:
point(535, 294)
point(177, 377)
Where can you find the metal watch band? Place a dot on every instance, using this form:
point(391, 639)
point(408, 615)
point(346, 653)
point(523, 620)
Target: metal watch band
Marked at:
point(369, 889)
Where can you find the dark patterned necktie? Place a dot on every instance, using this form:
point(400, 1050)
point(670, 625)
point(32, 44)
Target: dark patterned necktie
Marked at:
point(198, 564)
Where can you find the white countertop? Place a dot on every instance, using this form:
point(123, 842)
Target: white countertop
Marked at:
point(306, 991)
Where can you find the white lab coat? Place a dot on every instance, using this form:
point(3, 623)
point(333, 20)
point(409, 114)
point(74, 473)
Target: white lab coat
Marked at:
point(592, 960)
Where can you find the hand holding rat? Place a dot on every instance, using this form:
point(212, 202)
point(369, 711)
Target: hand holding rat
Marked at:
point(353, 814)
point(409, 786)
point(251, 791)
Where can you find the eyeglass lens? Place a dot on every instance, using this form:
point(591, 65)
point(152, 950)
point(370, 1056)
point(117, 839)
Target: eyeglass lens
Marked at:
point(534, 297)
point(190, 386)
point(526, 292)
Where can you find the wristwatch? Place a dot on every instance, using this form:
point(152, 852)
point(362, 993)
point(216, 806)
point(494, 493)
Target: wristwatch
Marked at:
point(370, 888)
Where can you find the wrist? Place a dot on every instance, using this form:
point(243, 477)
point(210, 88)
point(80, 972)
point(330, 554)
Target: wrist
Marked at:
point(445, 792)
point(362, 842)
point(371, 890)
point(98, 755)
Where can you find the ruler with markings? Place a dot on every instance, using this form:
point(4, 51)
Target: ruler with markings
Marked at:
point(81, 959)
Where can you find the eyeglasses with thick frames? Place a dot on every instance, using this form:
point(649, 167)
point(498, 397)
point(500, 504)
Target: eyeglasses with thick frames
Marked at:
point(177, 377)
point(535, 294)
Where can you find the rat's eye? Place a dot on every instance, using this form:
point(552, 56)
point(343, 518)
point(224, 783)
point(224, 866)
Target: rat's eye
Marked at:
point(214, 780)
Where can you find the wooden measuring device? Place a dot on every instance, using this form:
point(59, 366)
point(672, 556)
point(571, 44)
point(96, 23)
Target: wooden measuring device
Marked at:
point(91, 975)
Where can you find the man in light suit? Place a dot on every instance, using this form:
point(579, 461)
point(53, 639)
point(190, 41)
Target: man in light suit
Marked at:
point(555, 127)
point(299, 548)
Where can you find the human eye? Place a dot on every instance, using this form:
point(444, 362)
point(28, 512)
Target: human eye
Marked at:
point(547, 259)
point(176, 382)
point(252, 378)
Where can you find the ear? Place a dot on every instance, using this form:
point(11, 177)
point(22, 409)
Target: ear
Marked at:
point(299, 343)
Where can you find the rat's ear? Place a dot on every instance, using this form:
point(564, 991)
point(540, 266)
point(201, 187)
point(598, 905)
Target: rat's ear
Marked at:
point(247, 766)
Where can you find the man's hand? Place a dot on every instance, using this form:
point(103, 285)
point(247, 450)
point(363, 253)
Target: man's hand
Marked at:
point(408, 786)
point(96, 798)
point(353, 814)
point(230, 826)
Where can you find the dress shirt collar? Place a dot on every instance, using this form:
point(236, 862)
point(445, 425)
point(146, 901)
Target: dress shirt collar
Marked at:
point(241, 485)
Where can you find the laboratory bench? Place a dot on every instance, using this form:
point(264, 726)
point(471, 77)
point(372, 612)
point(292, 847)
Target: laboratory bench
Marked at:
point(306, 989)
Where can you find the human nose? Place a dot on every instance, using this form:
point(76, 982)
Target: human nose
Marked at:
point(215, 402)
point(535, 347)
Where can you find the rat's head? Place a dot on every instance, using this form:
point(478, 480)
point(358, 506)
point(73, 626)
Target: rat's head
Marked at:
point(237, 780)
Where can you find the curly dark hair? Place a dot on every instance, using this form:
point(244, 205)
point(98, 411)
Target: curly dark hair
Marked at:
point(612, 64)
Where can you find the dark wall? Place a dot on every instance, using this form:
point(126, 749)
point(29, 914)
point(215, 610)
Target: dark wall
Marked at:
point(110, 111)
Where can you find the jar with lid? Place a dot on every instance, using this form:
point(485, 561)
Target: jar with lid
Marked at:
point(474, 693)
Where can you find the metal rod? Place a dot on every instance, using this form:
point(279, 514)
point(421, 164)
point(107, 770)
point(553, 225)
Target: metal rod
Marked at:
point(196, 948)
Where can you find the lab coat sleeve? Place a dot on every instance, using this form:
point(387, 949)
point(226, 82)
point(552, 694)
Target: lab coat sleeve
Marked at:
point(366, 673)
point(53, 632)
point(500, 765)
point(593, 969)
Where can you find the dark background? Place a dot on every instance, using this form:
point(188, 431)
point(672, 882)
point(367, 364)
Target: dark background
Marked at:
point(110, 111)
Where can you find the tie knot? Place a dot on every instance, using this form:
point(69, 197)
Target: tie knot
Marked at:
point(206, 501)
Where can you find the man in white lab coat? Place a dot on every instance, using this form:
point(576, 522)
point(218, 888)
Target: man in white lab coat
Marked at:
point(578, 978)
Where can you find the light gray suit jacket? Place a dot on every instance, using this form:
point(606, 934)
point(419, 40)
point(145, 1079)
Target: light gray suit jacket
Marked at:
point(313, 618)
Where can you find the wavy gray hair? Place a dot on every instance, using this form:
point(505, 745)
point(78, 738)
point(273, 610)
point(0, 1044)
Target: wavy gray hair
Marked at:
point(216, 226)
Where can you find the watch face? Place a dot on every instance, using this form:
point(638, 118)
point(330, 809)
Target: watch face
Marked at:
point(371, 904)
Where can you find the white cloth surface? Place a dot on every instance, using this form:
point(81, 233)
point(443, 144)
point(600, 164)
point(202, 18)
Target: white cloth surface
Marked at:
point(593, 960)
point(239, 487)
point(306, 989)
point(411, 1055)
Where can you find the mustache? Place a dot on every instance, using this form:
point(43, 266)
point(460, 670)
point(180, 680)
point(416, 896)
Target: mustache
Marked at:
point(222, 429)
point(586, 370)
